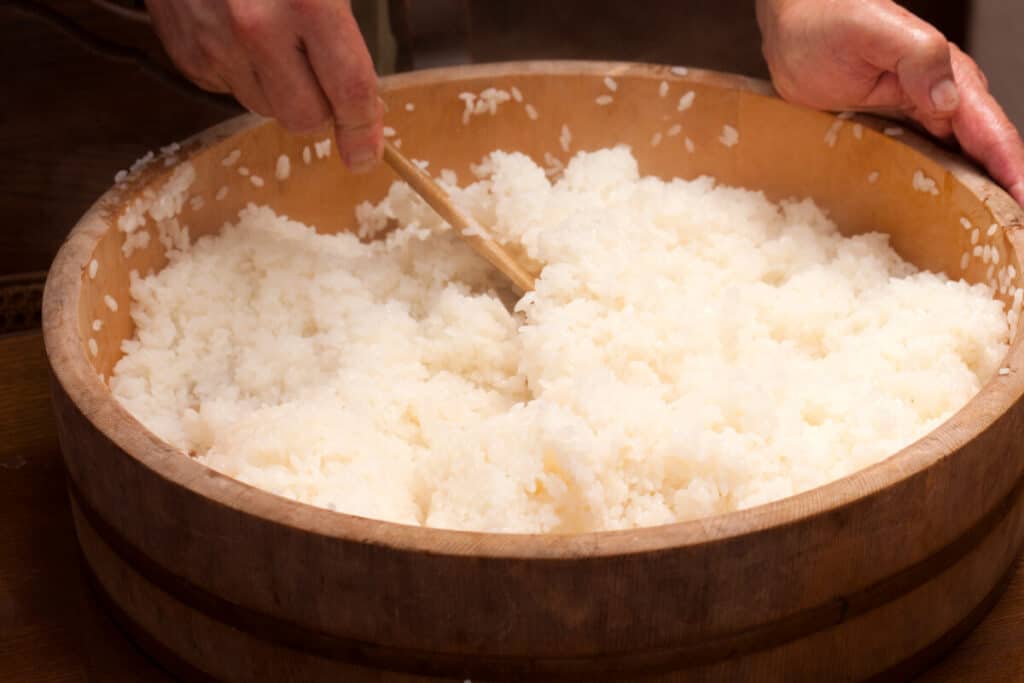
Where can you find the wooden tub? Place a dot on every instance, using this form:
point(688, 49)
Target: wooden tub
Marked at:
point(872, 575)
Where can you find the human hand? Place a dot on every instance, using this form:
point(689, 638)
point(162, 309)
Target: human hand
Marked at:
point(302, 62)
point(873, 55)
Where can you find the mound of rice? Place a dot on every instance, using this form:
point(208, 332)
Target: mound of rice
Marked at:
point(690, 349)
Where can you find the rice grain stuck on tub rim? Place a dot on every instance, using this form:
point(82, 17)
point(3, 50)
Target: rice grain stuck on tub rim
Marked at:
point(738, 352)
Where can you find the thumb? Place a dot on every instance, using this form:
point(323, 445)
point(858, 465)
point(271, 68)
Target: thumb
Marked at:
point(900, 43)
point(926, 74)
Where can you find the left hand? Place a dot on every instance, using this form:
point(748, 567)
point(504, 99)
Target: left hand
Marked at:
point(873, 55)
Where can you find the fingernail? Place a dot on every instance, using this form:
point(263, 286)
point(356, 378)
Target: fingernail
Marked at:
point(945, 96)
point(361, 160)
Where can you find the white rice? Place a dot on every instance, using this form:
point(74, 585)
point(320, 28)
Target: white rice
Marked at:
point(688, 143)
point(136, 240)
point(873, 177)
point(94, 348)
point(283, 168)
point(468, 99)
point(232, 158)
point(922, 183)
point(322, 148)
point(110, 302)
point(730, 136)
point(256, 180)
point(663, 89)
point(603, 100)
point(307, 156)
point(486, 102)
point(163, 206)
point(832, 135)
point(141, 163)
point(610, 83)
point(94, 266)
point(686, 101)
point(531, 112)
point(221, 193)
point(689, 349)
point(97, 325)
point(554, 165)
point(492, 97)
point(565, 137)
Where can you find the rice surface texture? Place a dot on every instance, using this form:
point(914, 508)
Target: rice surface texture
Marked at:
point(689, 349)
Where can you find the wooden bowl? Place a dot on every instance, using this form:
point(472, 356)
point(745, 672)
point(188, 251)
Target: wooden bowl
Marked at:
point(872, 575)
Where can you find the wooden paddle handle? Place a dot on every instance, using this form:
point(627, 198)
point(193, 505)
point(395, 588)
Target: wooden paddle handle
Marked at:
point(440, 202)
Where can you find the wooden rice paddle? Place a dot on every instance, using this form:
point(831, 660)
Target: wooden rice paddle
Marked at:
point(440, 202)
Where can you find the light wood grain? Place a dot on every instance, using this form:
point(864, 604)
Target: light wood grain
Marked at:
point(440, 202)
point(855, 579)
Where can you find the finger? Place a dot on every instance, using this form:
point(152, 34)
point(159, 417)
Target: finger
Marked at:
point(894, 40)
point(345, 72)
point(292, 89)
point(285, 78)
point(244, 84)
point(984, 131)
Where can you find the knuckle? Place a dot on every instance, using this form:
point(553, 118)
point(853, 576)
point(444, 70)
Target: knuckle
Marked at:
point(356, 88)
point(930, 45)
point(250, 20)
point(305, 7)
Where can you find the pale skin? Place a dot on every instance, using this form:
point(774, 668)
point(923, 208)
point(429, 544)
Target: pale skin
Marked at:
point(305, 63)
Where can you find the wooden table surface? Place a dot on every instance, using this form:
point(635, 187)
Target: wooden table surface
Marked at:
point(52, 629)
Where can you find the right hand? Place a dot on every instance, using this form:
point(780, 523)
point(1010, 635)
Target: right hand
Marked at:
point(302, 62)
point(873, 55)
